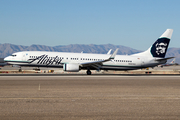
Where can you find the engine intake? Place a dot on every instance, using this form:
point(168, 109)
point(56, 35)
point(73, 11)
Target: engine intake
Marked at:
point(71, 67)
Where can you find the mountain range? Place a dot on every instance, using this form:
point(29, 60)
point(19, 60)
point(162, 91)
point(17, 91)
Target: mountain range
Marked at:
point(7, 49)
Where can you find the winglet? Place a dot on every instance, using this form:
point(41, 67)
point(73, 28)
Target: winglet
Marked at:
point(109, 52)
point(114, 54)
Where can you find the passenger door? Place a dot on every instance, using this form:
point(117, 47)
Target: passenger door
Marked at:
point(24, 56)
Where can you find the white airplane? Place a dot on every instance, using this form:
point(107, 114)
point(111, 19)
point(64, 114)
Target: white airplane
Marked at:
point(74, 62)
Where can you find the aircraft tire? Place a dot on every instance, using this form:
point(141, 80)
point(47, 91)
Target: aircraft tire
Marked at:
point(88, 72)
point(20, 70)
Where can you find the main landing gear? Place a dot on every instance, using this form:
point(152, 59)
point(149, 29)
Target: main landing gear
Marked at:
point(20, 70)
point(88, 72)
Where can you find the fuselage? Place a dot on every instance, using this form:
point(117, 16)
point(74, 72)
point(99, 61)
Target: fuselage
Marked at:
point(58, 59)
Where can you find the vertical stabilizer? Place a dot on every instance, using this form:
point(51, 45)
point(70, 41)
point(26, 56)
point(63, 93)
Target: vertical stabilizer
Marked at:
point(159, 48)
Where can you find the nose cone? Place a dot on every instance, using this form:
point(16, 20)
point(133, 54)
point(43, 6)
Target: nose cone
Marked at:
point(6, 59)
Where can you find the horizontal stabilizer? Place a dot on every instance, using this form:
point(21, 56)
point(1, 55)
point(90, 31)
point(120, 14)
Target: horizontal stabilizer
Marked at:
point(164, 59)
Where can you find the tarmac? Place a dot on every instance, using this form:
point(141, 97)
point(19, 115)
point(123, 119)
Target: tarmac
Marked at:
point(95, 97)
point(175, 69)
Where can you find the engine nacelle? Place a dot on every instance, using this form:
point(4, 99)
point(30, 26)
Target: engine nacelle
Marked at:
point(71, 67)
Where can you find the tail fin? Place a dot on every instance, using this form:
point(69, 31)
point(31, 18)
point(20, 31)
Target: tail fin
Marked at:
point(159, 48)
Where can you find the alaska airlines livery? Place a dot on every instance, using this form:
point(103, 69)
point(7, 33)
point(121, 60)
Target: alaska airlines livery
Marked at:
point(74, 62)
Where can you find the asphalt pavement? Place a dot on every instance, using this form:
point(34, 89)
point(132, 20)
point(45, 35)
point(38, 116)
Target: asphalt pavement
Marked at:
point(85, 97)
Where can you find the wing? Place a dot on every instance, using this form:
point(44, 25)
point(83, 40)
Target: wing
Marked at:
point(97, 64)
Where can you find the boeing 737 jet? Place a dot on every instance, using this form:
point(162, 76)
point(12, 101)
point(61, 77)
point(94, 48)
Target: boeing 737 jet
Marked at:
point(74, 62)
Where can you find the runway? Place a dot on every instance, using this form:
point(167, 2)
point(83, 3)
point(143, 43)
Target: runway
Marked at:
point(89, 97)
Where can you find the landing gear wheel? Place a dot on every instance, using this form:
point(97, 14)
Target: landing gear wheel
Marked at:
point(20, 70)
point(88, 72)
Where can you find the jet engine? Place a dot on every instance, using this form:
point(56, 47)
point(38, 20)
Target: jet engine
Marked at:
point(71, 67)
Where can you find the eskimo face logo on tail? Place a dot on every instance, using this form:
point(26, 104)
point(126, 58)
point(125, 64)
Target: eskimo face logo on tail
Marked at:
point(159, 48)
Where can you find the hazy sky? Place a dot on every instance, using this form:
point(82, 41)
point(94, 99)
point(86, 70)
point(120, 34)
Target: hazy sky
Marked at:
point(133, 23)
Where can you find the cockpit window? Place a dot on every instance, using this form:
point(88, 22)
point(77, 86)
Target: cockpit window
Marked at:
point(13, 55)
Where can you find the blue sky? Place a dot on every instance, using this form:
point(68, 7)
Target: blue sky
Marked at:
point(133, 23)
